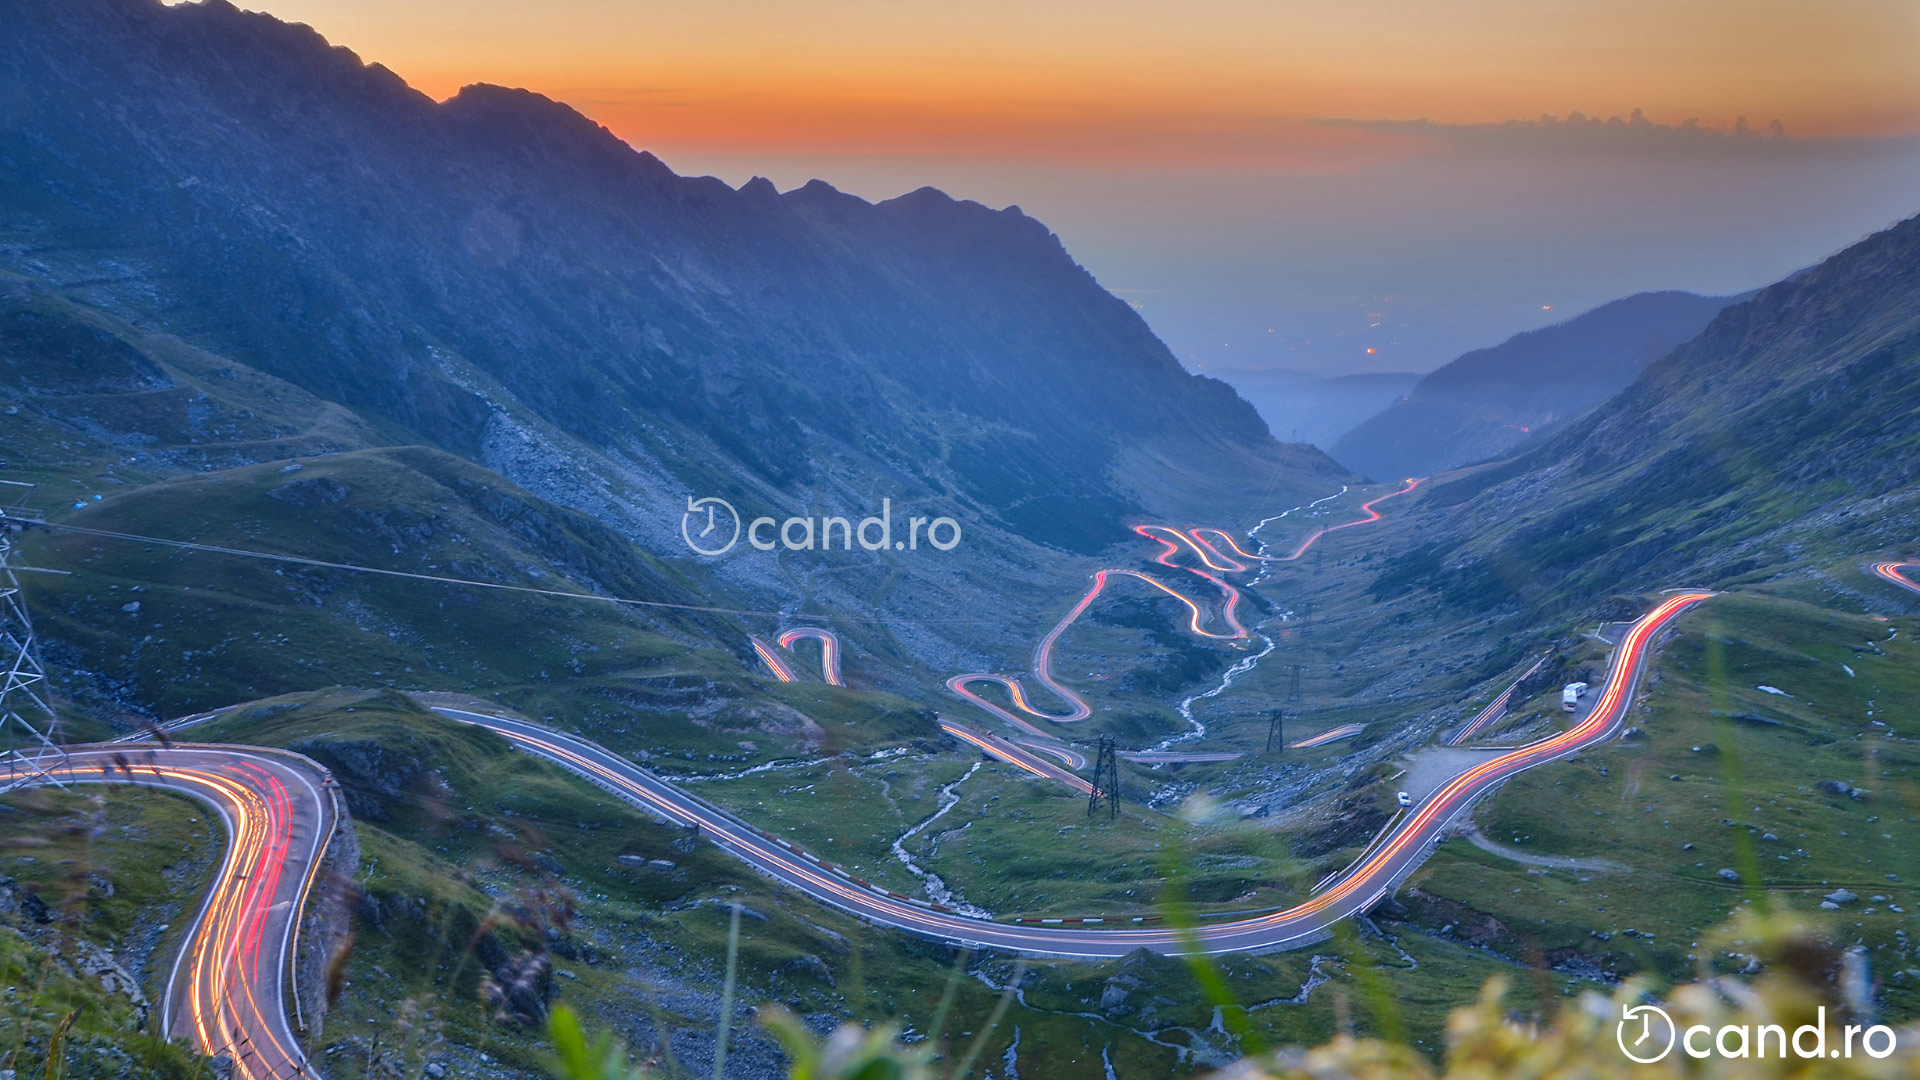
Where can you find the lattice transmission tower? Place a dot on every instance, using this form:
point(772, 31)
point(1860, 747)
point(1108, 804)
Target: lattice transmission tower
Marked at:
point(1106, 780)
point(30, 750)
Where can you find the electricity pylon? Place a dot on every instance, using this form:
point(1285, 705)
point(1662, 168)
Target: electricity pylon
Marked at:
point(30, 751)
point(1106, 780)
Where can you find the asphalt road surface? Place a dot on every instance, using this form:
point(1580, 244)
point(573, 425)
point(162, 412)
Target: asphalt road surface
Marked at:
point(1172, 541)
point(228, 991)
point(1358, 889)
point(1897, 572)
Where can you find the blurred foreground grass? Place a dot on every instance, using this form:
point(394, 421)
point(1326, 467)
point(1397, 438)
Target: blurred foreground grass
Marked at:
point(1754, 1030)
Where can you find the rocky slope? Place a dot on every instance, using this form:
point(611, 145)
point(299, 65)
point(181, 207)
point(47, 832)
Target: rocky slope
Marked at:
point(1491, 400)
point(437, 265)
point(1787, 433)
point(498, 277)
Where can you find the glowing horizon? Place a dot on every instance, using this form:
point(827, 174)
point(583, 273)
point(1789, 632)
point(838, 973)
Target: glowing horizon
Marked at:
point(1073, 76)
point(1248, 174)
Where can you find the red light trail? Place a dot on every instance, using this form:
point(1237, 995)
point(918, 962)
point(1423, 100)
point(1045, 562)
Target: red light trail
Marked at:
point(227, 990)
point(1171, 540)
point(829, 654)
point(1355, 891)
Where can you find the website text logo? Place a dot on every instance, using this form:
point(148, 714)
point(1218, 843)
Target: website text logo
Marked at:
point(711, 526)
point(1647, 1034)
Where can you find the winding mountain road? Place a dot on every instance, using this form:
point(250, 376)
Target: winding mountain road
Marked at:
point(1496, 708)
point(1357, 890)
point(829, 653)
point(1896, 572)
point(229, 989)
point(1171, 540)
point(1331, 735)
point(1026, 755)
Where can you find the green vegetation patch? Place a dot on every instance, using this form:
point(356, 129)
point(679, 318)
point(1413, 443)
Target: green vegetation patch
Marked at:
point(1726, 794)
point(97, 885)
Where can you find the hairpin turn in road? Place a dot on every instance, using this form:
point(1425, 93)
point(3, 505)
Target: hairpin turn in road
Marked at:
point(1360, 888)
point(228, 991)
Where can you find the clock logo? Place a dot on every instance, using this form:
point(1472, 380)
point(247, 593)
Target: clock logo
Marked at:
point(1654, 1033)
point(715, 535)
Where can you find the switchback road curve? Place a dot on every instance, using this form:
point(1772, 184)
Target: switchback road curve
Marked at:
point(829, 653)
point(1023, 755)
point(1368, 516)
point(1358, 889)
point(228, 990)
point(1171, 541)
point(1029, 755)
point(1896, 572)
point(1077, 707)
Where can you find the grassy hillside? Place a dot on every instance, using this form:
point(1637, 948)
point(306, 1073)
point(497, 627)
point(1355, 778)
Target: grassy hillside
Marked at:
point(1491, 400)
point(1782, 439)
point(175, 631)
point(96, 405)
point(1794, 795)
point(96, 888)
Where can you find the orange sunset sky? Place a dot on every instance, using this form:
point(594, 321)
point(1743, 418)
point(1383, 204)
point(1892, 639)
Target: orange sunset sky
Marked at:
point(1122, 79)
point(1181, 152)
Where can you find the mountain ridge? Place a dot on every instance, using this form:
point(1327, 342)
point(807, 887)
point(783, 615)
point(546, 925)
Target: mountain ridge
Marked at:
point(1488, 401)
point(498, 276)
point(1784, 438)
point(1320, 408)
point(537, 147)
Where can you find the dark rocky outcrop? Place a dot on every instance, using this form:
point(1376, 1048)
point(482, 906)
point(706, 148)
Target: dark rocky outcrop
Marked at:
point(453, 269)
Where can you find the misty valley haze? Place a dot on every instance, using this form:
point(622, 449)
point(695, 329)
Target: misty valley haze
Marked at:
point(479, 601)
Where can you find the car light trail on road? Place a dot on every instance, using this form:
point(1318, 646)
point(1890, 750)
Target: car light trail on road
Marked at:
point(1017, 754)
point(1358, 889)
point(1896, 573)
point(1074, 759)
point(1369, 515)
point(1172, 540)
point(829, 650)
point(1344, 731)
point(829, 654)
point(774, 661)
point(227, 990)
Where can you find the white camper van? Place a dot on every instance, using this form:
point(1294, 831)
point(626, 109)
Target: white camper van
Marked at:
point(1570, 695)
